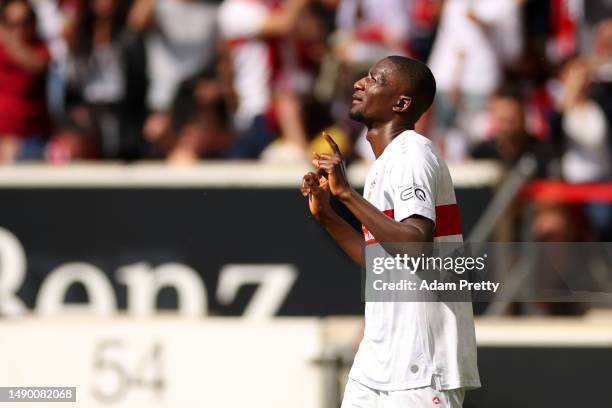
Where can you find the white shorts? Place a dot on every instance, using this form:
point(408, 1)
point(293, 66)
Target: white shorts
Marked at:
point(357, 395)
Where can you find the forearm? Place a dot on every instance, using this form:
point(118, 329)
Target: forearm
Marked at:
point(345, 235)
point(381, 226)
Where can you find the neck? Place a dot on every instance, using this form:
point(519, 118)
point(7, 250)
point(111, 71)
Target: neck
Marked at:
point(380, 136)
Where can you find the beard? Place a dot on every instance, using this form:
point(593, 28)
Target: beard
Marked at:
point(357, 116)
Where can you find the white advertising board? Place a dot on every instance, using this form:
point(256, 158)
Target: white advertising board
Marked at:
point(166, 362)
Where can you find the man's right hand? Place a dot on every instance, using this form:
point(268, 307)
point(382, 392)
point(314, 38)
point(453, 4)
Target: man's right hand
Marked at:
point(316, 188)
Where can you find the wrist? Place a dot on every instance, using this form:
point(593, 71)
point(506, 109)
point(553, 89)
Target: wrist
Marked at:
point(346, 195)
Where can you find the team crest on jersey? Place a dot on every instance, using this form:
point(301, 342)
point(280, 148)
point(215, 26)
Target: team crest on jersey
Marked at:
point(436, 400)
point(413, 191)
point(371, 189)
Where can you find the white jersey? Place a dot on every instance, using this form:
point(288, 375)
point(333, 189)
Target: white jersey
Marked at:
point(416, 344)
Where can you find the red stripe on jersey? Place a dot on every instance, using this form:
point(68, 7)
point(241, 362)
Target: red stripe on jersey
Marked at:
point(447, 222)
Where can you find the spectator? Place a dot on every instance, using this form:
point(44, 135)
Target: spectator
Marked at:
point(475, 41)
point(72, 142)
point(565, 18)
point(369, 30)
point(294, 86)
point(57, 23)
point(509, 139)
point(508, 142)
point(101, 76)
point(180, 42)
point(24, 61)
point(201, 111)
point(426, 16)
point(132, 70)
point(581, 126)
point(248, 28)
point(200, 126)
point(601, 63)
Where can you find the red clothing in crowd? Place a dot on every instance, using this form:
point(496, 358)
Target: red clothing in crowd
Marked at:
point(23, 102)
point(564, 27)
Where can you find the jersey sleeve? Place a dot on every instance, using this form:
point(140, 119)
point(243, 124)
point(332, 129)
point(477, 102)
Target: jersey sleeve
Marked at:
point(414, 184)
point(242, 19)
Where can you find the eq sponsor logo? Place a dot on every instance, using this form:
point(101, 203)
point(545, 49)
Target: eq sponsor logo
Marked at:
point(413, 191)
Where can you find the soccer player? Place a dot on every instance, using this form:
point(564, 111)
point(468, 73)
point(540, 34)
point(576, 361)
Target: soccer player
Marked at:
point(413, 354)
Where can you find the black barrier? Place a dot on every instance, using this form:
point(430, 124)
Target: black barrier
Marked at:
point(534, 377)
point(235, 243)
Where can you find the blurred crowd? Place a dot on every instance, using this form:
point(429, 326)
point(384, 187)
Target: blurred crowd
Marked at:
point(184, 80)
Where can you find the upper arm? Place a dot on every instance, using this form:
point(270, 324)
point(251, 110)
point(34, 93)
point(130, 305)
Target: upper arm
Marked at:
point(423, 225)
point(414, 186)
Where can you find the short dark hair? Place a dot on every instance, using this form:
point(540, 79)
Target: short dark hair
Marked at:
point(420, 81)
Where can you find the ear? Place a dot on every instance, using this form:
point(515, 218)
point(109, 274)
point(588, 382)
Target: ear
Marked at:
point(402, 104)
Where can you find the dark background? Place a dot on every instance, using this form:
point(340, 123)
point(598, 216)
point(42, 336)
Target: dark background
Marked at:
point(207, 228)
point(203, 228)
